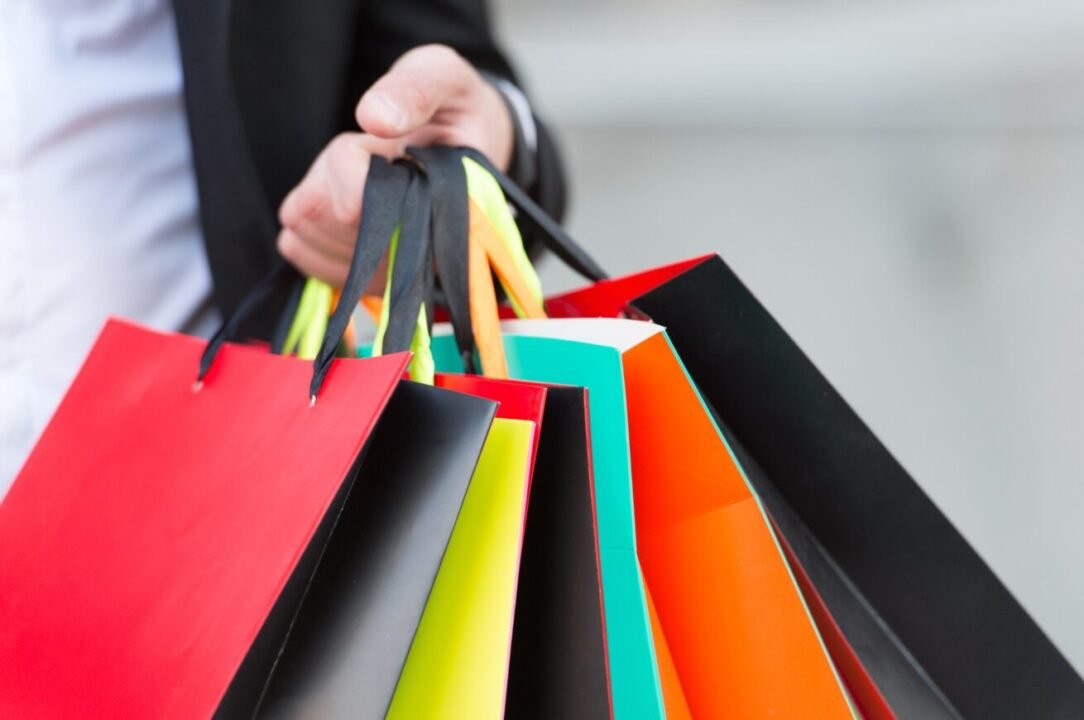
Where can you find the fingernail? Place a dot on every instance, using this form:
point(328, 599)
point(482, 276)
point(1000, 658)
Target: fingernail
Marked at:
point(388, 111)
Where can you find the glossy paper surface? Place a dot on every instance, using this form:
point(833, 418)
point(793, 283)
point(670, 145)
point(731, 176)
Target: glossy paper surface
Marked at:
point(742, 641)
point(517, 400)
point(347, 646)
point(908, 564)
point(615, 298)
point(559, 667)
point(458, 663)
point(153, 527)
point(898, 579)
point(635, 682)
point(610, 298)
point(730, 622)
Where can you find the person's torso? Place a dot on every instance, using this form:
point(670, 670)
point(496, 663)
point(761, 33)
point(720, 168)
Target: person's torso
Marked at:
point(98, 207)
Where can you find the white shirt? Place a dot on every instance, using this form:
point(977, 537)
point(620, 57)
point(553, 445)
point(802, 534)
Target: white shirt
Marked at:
point(98, 209)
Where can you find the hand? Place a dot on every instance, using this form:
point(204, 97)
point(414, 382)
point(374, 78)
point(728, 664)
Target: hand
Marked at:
point(430, 96)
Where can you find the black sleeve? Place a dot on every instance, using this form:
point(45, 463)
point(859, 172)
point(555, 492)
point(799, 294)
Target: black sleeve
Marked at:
point(388, 28)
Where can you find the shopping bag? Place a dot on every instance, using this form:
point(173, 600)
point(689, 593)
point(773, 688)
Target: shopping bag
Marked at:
point(415, 222)
point(558, 667)
point(636, 688)
point(515, 401)
point(348, 644)
point(728, 612)
point(156, 523)
point(457, 666)
point(932, 626)
point(558, 662)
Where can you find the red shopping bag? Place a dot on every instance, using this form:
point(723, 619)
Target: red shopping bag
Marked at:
point(155, 524)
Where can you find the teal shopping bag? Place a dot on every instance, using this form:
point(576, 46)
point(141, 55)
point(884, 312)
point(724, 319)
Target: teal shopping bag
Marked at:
point(634, 675)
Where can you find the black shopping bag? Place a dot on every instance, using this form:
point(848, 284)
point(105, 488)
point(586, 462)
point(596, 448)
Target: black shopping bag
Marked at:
point(558, 666)
point(349, 641)
point(933, 627)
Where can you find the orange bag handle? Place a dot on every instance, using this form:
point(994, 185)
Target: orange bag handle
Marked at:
point(483, 312)
point(501, 260)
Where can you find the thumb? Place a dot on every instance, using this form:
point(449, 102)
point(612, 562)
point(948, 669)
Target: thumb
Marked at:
point(422, 82)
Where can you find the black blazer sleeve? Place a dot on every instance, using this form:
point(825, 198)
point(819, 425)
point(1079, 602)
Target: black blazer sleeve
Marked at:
point(268, 83)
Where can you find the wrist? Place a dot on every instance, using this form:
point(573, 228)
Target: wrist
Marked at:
point(521, 164)
point(496, 127)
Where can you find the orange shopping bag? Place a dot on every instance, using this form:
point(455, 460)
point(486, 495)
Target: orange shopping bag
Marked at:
point(725, 608)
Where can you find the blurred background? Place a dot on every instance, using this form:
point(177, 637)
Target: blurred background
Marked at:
point(900, 183)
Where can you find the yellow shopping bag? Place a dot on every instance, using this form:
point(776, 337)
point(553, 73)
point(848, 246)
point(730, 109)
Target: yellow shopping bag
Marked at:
point(458, 663)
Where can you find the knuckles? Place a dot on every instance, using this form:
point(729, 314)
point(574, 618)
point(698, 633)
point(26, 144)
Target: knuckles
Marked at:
point(344, 144)
point(345, 156)
point(443, 62)
point(435, 54)
point(417, 100)
point(288, 245)
point(306, 204)
point(342, 214)
point(314, 199)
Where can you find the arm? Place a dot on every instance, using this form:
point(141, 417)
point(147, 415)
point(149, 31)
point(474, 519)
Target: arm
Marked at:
point(391, 28)
point(431, 94)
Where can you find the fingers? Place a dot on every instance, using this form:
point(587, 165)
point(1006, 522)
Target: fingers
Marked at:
point(430, 96)
point(330, 193)
point(310, 261)
point(418, 85)
point(320, 216)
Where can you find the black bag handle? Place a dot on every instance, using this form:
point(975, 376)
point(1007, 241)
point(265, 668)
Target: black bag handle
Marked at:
point(450, 229)
point(427, 196)
point(286, 320)
point(280, 278)
point(385, 190)
point(408, 268)
point(444, 166)
point(552, 234)
point(382, 206)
